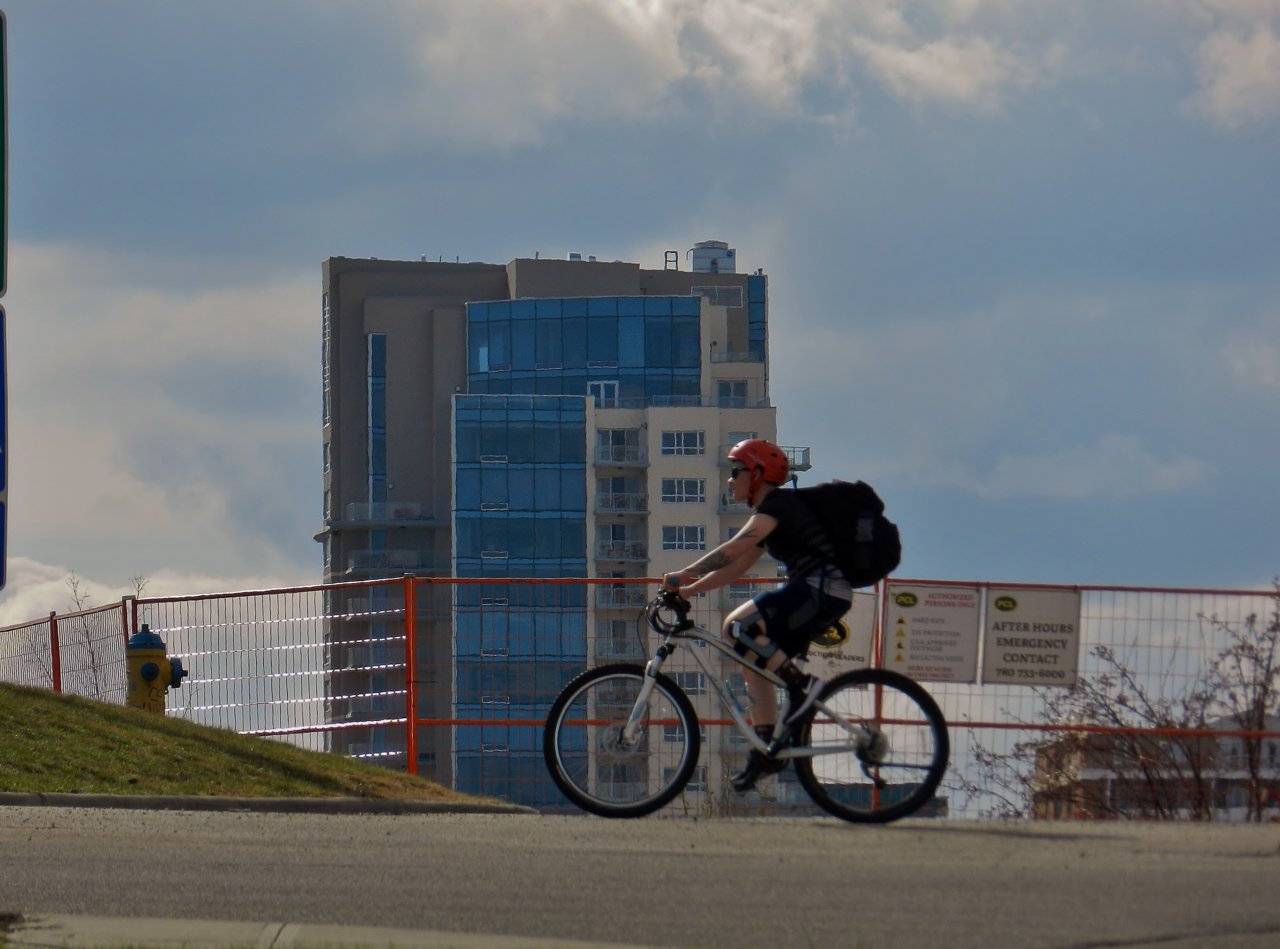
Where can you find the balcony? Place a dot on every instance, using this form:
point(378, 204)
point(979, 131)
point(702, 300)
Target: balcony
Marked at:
point(630, 596)
point(358, 609)
point(623, 550)
point(622, 456)
point(394, 563)
point(735, 594)
point(728, 505)
point(797, 458)
point(730, 355)
point(630, 648)
point(683, 401)
point(622, 503)
point(393, 511)
point(373, 515)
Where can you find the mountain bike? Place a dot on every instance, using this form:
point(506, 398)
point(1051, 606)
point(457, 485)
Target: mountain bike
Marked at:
point(622, 740)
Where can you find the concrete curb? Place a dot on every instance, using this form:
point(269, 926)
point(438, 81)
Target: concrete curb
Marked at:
point(285, 805)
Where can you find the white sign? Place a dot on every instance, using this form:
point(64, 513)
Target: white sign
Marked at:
point(1032, 637)
point(931, 633)
point(849, 648)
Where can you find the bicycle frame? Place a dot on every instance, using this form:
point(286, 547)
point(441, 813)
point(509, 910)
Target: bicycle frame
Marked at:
point(859, 737)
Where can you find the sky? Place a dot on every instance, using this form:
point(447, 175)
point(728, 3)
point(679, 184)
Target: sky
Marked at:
point(1022, 255)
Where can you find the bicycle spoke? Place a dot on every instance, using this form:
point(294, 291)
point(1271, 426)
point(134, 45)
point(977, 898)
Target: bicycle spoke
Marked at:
point(590, 757)
point(879, 747)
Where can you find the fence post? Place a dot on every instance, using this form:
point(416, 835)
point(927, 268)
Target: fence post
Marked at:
point(411, 673)
point(125, 618)
point(55, 653)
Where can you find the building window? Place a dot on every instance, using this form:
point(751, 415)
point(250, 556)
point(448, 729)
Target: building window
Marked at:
point(684, 443)
point(731, 393)
point(620, 494)
point(618, 446)
point(605, 393)
point(697, 781)
point(684, 490)
point(694, 683)
point(684, 538)
point(672, 733)
point(326, 356)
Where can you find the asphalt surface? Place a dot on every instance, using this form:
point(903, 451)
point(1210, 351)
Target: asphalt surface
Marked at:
point(239, 876)
point(63, 931)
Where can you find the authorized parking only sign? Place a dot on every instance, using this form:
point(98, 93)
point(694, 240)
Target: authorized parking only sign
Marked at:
point(1031, 637)
point(931, 633)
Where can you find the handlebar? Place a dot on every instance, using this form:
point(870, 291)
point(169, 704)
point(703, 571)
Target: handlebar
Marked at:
point(668, 600)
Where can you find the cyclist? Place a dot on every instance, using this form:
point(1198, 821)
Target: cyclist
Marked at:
point(775, 627)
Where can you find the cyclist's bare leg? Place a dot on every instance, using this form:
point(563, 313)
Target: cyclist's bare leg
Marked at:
point(764, 697)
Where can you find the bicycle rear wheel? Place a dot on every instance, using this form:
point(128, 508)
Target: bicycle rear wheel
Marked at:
point(596, 767)
point(881, 747)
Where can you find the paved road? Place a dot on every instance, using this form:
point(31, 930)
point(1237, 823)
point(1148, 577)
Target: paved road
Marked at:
point(707, 883)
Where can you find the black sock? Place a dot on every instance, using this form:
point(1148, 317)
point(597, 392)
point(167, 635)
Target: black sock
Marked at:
point(790, 674)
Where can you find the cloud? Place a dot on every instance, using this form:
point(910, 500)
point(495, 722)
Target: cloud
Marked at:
point(1252, 354)
point(917, 393)
point(502, 74)
point(1043, 392)
point(33, 588)
point(1238, 64)
point(972, 71)
point(506, 73)
point(151, 425)
point(1116, 467)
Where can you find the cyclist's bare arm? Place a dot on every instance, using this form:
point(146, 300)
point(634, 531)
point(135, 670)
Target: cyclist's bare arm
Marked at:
point(727, 562)
point(725, 575)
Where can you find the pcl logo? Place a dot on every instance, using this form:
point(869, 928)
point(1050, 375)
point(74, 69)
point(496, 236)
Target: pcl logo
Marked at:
point(906, 599)
point(1006, 604)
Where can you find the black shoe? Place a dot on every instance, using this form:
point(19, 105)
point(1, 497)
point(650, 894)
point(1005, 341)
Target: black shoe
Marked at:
point(758, 765)
point(800, 698)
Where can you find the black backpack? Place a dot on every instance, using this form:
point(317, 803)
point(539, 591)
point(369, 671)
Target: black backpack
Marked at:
point(866, 542)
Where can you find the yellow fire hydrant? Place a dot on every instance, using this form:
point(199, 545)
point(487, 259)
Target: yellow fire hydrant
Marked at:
point(151, 671)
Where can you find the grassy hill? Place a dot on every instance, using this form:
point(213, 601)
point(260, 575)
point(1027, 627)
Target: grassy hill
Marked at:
point(60, 743)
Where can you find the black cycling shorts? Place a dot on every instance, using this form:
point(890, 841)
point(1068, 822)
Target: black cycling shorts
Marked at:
point(798, 612)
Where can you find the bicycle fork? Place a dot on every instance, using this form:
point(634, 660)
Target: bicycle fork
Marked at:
point(651, 670)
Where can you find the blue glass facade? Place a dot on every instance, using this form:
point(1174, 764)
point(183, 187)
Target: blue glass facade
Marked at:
point(520, 471)
point(520, 511)
point(648, 346)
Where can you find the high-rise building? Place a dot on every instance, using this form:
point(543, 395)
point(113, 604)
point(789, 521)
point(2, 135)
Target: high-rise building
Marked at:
point(544, 418)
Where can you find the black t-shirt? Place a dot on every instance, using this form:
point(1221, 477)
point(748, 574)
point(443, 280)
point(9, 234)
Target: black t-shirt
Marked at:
point(799, 540)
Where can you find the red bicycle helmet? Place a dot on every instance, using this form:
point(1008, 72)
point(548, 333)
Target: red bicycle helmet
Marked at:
point(765, 460)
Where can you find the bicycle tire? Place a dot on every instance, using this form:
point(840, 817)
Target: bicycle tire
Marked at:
point(580, 742)
point(915, 748)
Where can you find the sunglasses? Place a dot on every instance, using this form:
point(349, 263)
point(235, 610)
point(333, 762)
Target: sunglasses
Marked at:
point(737, 471)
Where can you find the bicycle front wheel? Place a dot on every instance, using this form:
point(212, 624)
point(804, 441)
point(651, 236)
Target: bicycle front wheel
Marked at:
point(590, 757)
point(880, 747)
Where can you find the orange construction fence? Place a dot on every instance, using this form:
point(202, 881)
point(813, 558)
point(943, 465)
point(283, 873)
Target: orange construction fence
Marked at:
point(1167, 701)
